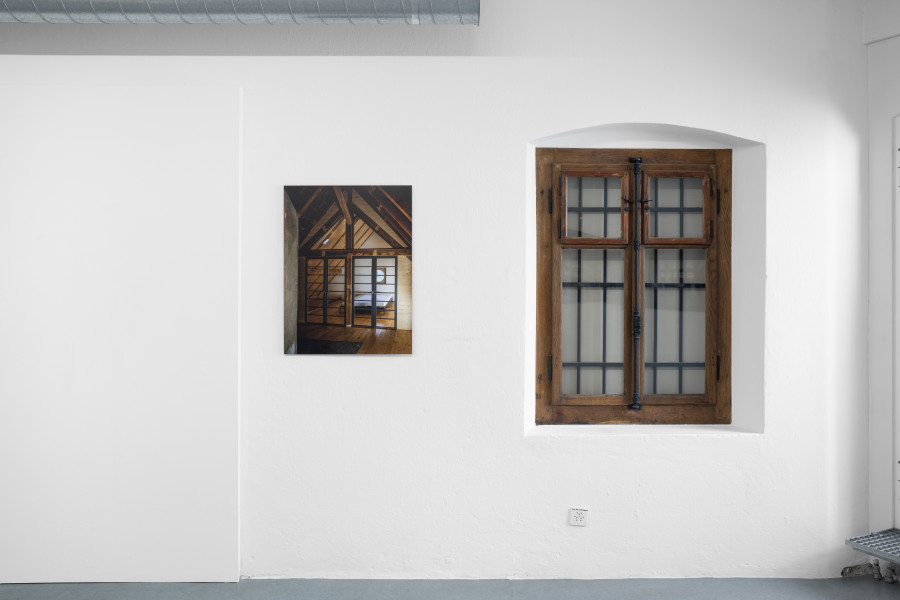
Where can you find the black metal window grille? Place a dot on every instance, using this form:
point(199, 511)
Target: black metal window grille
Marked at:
point(653, 365)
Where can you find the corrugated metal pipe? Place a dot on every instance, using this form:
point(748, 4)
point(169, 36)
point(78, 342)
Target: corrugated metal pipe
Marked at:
point(247, 12)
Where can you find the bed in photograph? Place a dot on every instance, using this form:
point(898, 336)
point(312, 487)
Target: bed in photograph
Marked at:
point(364, 301)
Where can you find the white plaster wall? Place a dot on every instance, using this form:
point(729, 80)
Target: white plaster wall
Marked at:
point(427, 472)
point(119, 343)
point(882, 20)
point(884, 108)
point(419, 466)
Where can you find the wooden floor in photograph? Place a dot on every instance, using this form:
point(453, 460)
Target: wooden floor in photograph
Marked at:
point(374, 341)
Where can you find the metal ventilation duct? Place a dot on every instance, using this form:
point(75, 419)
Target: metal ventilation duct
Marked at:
point(247, 12)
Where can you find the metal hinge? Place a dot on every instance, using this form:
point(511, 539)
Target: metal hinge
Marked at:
point(718, 365)
point(558, 192)
point(712, 229)
point(550, 367)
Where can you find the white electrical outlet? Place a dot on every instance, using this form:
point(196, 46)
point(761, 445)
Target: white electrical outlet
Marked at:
point(578, 517)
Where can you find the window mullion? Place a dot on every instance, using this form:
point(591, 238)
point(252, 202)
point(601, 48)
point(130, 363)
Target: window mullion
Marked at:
point(637, 204)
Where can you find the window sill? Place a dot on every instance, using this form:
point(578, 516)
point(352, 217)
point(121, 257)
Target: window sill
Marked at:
point(565, 431)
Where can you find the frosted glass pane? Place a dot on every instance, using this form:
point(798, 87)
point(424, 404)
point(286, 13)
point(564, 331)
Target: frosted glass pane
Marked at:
point(570, 264)
point(615, 266)
point(592, 308)
point(591, 224)
point(592, 317)
point(694, 270)
point(593, 207)
point(591, 380)
point(613, 225)
point(569, 380)
point(569, 324)
point(693, 192)
point(615, 316)
point(667, 192)
point(666, 381)
point(592, 190)
point(693, 381)
point(665, 319)
point(693, 226)
point(615, 384)
point(593, 265)
point(694, 345)
point(649, 329)
point(667, 266)
point(665, 225)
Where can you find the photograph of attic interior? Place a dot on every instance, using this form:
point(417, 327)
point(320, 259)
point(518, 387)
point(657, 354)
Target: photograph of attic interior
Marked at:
point(333, 231)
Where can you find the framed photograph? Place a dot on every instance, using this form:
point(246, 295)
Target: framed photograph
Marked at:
point(348, 269)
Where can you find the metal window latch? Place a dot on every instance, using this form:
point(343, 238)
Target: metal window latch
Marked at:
point(635, 402)
point(636, 318)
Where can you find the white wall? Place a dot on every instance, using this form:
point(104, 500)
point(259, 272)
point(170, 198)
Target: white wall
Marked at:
point(119, 344)
point(882, 20)
point(420, 466)
point(884, 110)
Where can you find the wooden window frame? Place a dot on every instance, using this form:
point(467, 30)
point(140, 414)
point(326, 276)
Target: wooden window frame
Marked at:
point(713, 167)
point(622, 173)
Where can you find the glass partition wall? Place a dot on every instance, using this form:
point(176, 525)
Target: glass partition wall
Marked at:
point(375, 292)
point(325, 291)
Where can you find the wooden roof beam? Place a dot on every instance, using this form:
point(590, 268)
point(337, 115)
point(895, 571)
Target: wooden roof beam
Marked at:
point(404, 235)
point(367, 195)
point(339, 253)
point(362, 216)
point(324, 229)
point(395, 203)
point(310, 200)
point(388, 206)
point(342, 202)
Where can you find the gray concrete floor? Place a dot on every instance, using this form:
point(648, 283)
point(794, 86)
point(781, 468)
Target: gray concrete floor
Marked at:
point(854, 588)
